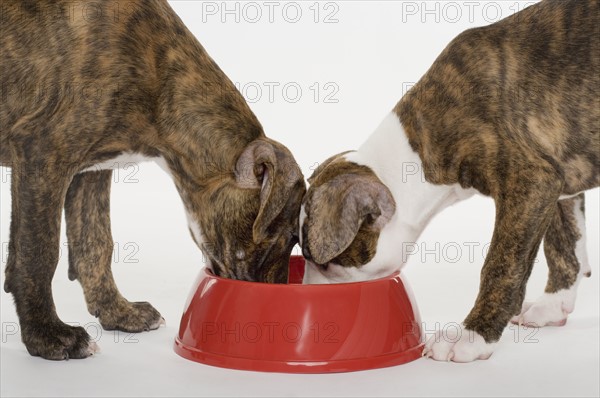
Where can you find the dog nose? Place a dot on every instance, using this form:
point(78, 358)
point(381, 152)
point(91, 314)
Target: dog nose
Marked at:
point(306, 253)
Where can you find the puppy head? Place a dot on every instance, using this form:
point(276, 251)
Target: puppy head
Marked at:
point(343, 214)
point(249, 219)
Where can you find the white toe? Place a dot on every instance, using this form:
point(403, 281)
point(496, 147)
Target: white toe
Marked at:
point(458, 345)
point(158, 324)
point(93, 348)
point(550, 309)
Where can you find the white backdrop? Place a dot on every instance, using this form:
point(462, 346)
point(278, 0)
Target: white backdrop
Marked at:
point(320, 77)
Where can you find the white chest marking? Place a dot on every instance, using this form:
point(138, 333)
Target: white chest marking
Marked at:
point(563, 197)
point(301, 219)
point(195, 228)
point(388, 153)
point(581, 246)
point(192, 223)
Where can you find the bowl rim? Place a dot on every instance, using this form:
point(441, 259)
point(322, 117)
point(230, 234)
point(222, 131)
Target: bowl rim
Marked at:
point(209, 273)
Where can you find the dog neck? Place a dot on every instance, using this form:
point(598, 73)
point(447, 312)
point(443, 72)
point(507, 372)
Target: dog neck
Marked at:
point(201, 124)
point(204, 121)
point(388, 153)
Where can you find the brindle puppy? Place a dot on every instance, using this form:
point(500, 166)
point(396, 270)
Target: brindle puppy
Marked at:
point(510, 110)
point(85, 86)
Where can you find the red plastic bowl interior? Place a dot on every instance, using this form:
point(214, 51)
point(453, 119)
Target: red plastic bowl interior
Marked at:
point(298, 328)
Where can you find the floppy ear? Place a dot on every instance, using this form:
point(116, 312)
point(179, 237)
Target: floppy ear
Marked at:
point(269, 166)
point(338, 210)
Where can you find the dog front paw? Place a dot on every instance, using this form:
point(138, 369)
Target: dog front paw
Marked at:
point(457, 344)
point(552, 309)
point(130, 317)
point(58, 341)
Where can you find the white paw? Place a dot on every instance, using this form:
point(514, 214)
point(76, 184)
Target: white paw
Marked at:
point(548, 310)
point(93, 348)
point(457, 344)
point(159, 323)
point(586, 270)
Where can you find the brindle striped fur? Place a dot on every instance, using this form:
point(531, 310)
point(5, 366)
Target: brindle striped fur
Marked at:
point(83, 85)
point(513, 110)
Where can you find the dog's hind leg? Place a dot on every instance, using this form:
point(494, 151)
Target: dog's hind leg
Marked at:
point(38, 190)
point(87, 212)
point(566, 254)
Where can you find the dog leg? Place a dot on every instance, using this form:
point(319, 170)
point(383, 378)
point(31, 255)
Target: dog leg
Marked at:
point(10, 262)
point(522, 217)
point(566, 254)
point(37, 196)
point(87, 212)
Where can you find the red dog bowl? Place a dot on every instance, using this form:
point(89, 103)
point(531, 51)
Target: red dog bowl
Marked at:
point(298, 328)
